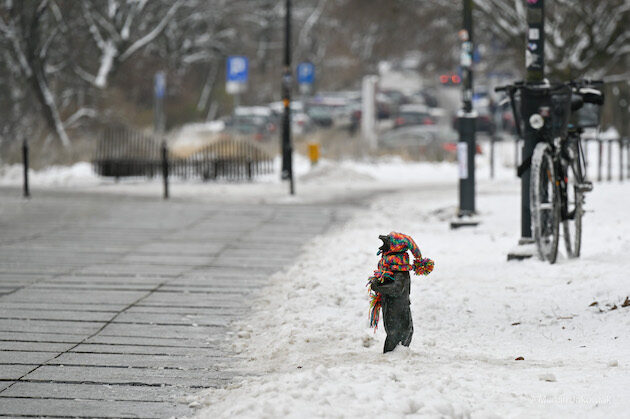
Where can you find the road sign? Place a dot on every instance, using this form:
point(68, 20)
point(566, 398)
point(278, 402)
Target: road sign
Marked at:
point(306, 73)
point(237, 74)
point(237, 69)
point(160, 84)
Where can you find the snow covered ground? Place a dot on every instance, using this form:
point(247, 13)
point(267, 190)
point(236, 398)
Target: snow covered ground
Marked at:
point(307, 343)
point(311, 353)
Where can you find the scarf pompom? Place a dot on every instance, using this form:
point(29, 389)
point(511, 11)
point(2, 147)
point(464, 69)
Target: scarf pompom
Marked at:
point(423, 266)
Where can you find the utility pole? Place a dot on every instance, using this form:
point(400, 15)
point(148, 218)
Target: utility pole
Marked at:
point(530, 103)
point(287, 81)
point(467, 119)
point(159, 122)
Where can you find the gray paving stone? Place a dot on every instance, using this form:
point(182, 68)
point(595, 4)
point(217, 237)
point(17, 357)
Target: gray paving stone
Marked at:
point(82, 296)
point(13, 372)
point(80, 307)
point(169, 331)
point(195, 348)
point(31, 358)
point(184, 247)
point(194, 320)
point(89, 408)
point(103, 392)
point(54, 315)
point(36, 326)
point(34, 346)
point(188, 362)
point(159, 341)
point(44, 337)
point(131, 376)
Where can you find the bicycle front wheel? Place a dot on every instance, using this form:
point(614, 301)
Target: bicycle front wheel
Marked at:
point(544, 203)
point(572, 220)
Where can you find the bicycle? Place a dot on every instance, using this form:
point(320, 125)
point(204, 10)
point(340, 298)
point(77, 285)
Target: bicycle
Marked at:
point(558, 179)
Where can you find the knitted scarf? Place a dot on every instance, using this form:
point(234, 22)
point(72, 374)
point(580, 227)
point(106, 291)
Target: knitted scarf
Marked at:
point(396, 259)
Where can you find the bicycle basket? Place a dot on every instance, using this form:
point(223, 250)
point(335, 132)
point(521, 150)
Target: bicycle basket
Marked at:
point(587, 116)
point(560, 111)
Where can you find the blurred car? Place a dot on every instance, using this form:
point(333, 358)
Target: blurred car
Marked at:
point(301, 123)
point(328, 109)
point(385, 107)
point(413, 115)
point(256, 121)
point(428, 142)
point(484, 123)
point(397, 98)
point(321, 115)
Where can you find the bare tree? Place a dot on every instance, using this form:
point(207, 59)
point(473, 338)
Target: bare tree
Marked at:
point(582, 37)
point(28, 29)
point(119, 29)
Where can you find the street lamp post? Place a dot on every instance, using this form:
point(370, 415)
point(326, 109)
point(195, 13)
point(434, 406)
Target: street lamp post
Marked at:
point(287, 81)
point(530, 103)
point(467, 118)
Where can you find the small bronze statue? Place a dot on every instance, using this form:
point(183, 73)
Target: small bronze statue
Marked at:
point(390, 286)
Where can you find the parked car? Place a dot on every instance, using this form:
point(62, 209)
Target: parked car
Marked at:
point(484, 123)
point(321, 115)
point(428, 142)
point(330, 109)
point(413, 115)
point(257, 121)
point(301, 123)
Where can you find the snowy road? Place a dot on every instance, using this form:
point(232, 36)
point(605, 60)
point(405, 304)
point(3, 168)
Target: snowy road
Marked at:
point(116, 306)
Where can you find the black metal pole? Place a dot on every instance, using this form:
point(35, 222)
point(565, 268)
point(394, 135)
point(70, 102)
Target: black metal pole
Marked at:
point(621, 159)
point(27, 193)
point(165, 168)
point(600, 149)
point(287, 81)
point(492, 141)
point(467, 120)
point(535, 69)
point(609, 160)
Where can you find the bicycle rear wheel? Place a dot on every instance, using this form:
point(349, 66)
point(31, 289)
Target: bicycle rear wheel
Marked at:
point(572, 223)
point(544, 203)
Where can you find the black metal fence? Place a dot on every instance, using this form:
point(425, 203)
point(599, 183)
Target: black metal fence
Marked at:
point(121, 152)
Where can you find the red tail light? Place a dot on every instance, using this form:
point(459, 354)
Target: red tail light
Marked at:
point(427, 121)
point(399, 121)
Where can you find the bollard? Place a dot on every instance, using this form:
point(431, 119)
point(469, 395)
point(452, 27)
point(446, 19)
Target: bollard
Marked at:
point(609, 177)
point(165, 168)
point(516, 160)
point(313, 153)
point(585, 154)
point(600, 146)
point(620, 159)
point(27, 193)
point(492, 157)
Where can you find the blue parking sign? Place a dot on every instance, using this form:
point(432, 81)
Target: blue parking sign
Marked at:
point(306, 73)
point(159, 84)
point(237, 69)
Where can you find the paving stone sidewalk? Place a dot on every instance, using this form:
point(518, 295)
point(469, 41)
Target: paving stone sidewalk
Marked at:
point(114, 306)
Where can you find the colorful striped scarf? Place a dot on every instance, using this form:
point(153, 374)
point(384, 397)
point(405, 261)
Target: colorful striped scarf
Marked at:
point(396, 259)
